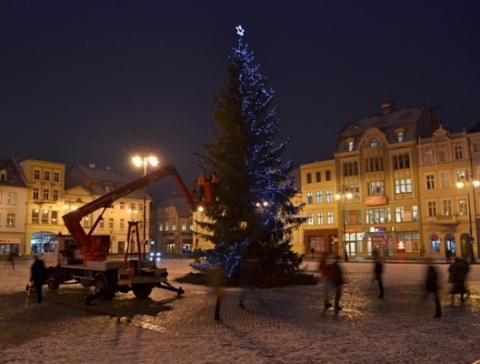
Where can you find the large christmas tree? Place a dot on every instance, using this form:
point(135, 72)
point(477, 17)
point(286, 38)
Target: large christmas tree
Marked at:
point(252, 213)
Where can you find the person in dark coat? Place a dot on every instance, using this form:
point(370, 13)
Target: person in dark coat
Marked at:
point(457, 275)
point(37, 276)
point(337, 282)
point(431, 286)
point(378, 272)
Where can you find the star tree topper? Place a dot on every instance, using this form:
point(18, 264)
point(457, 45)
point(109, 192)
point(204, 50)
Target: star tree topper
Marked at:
point(240, 30)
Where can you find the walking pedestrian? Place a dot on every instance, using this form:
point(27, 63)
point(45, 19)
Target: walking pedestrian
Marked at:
point(217, 282)
point(11, 259)
point(312, 251)
point(326, 272)
point(448, 255)
point(431, 286)
point(457, 275)
point(337, 282)
point(250, 280)
point(37, 276)
point(378, 272)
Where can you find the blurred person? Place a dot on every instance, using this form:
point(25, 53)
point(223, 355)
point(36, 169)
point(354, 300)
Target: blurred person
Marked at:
point(457, 275)
point(11, 259)
point(378, 272)
point(448, 256)
point(217, 281)
point(337, 282)
point(431, 286)
point(326, 272)
point(250, 279)
point(37, 276)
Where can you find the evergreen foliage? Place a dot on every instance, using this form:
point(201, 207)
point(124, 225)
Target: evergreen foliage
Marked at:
point(252, 214)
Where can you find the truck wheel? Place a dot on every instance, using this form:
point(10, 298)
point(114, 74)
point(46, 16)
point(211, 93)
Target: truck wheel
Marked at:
point(141, 291)
point(101, 286)
point(52, 282)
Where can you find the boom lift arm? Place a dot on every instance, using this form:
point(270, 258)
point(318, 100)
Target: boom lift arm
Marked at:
point(86, 242)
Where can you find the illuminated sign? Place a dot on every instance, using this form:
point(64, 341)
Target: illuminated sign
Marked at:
point(400, 246)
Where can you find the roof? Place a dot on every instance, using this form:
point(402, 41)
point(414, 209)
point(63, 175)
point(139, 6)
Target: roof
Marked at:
point(102, 174)
point(13, 175)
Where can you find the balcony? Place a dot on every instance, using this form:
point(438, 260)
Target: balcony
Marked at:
point(444, 219)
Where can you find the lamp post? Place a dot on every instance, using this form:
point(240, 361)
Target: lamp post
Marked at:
point(469, 184)
point(342, 198)
point(145, 162)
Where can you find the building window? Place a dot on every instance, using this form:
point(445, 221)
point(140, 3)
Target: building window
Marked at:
point(428, 156)
point(101, 224)
point(401, 161)
point(350, 144)
point(309, 198)
point(110, 223)
point(318, 176)
point(160, 227)
point(309, 178)
point(319, 197)
point(350, 169)
point(434, 244)
point(374, 164)
point(376, 216)
point(461, 176)
point(56, 177)
point(12, 198)
point(462, 206)
point(329, 196)
point(376, 188)
point(54, 217)
point(10, 219)
point(174, 227)
point(403, 185)
point(444, 179)
point(35, 214)
point(45, 216)
point(447, 207)
point(373, 143)
point(406, 213)
point(400, 135)
point(46, 194)
point(122, 205)
point(184, 226)
point(458, 152)
point(476, 147)
point(122, 224)
point(430, 179)
point(46, 175)
point(442, 154)
point(55, 195)
point(328, 176)
point(86, 222)
point(411, 241)
point(330, 217)
point(354, 190)
point(320, 218)
point(432, 208)
point(36, 174)
point(36, 193)
point(309, 218)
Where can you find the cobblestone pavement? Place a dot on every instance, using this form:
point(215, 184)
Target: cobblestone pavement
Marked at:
point(291, 328)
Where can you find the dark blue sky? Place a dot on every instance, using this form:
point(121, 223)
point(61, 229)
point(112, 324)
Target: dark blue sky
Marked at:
point(94, 81)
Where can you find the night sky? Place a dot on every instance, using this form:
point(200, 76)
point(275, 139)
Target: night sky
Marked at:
point(95, 81)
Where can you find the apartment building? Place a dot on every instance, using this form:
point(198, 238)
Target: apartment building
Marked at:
point(46, 185)
point(376, 184)
point(13, 208)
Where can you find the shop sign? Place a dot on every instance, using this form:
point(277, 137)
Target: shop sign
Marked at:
point(375, 200)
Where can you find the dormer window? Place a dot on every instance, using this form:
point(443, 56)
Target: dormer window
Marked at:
point(373, 143)
point(350, 144)
point(3, 175)
point(400, 135)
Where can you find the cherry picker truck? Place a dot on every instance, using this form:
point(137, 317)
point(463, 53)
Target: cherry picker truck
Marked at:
point(82, 257)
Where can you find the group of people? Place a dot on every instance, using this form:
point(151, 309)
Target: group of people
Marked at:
point(332, 278)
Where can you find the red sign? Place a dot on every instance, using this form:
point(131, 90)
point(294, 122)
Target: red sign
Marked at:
point(375, 200)
point(400, 246)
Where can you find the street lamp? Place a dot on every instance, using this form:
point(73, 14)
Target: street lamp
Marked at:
point(342, 198)
point(145, 162)
point(469, 185)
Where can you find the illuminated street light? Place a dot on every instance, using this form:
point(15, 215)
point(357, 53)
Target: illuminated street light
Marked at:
point(145, 162)
point(342, 198)
point(469, 185)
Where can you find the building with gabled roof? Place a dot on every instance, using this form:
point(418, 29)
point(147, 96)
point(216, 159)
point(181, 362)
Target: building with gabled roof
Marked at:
point(13, 208)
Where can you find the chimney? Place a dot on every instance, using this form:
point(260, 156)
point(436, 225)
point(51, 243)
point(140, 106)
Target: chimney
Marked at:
point(388, 107)
point(92, 166)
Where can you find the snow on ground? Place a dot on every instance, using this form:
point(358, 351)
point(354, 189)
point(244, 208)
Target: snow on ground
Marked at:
point(290, 329)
